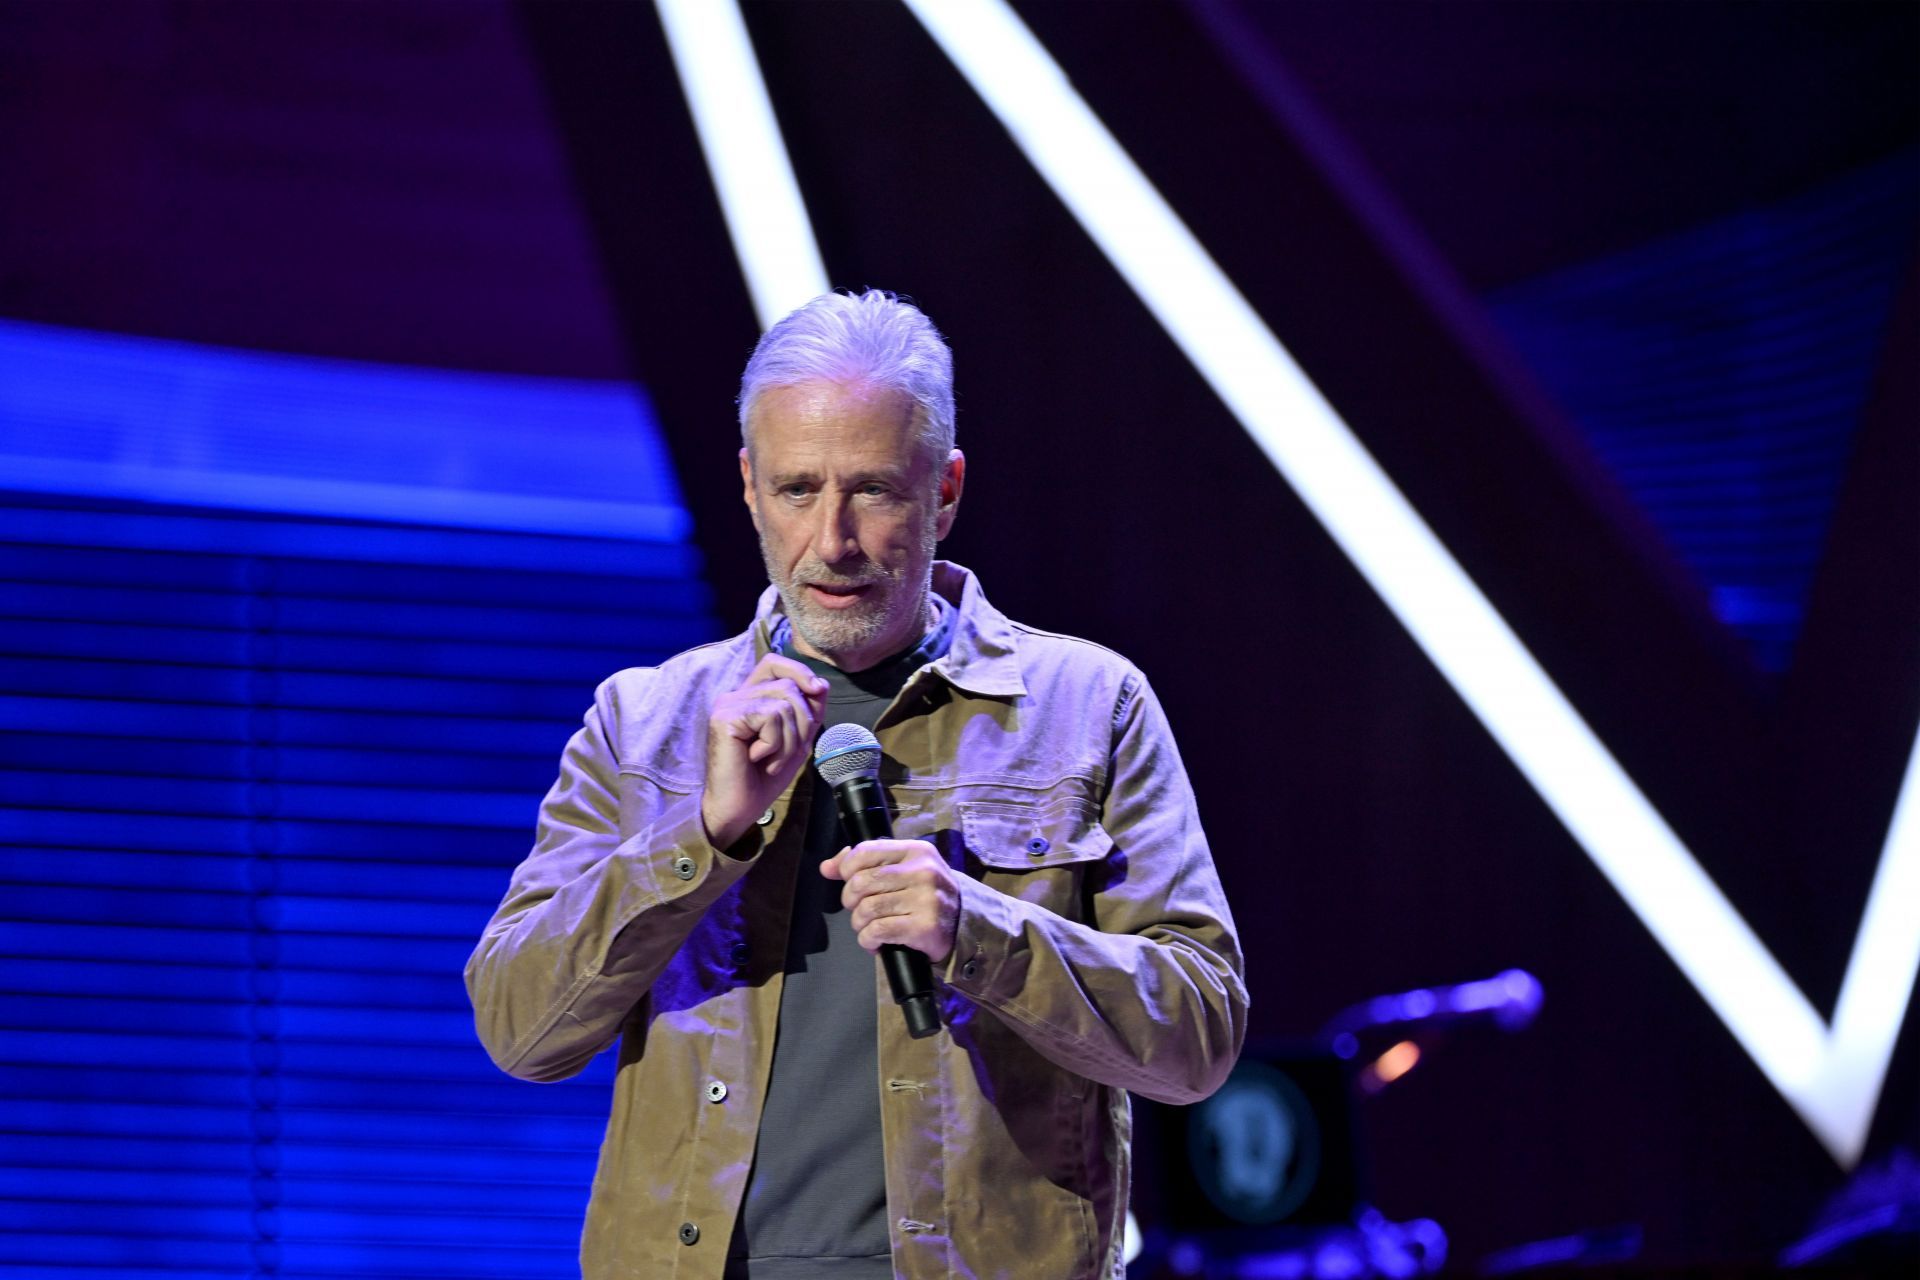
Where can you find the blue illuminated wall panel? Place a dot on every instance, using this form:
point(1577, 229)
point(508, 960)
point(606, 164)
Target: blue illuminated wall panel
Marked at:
point(263, 774)
point(1721, 373)
point(260, 785)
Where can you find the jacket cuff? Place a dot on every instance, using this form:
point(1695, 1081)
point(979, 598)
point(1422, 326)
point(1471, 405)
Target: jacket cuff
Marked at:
point(988, 938)
point(674, 862)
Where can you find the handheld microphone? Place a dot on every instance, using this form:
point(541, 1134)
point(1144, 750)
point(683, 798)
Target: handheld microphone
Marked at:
point(848, 758)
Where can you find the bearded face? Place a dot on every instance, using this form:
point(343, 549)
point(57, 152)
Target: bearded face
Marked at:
point(849, 505)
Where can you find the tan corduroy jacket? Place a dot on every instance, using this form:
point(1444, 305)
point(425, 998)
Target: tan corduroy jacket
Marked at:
point(1095, 955)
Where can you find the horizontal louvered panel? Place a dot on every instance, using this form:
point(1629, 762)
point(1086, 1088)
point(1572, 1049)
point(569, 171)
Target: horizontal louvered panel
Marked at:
point(214, 610)
point(157, 682)
point(406, 955)
point(288, 1089)
point(457, 1058)
point(88, 941)
point(554, 587)
point(112, 1048)
point(394, 879)
point(132, 719)
point(134, 1083)
point(348, 917)
point(298, 1226)
point(229, 1253)
point(178, 910)
point(163, 832)
point(125, 1273)
point(88, 977)
point(255, 807)
point(563, 1199)
point(125, 869)
point(266, 618)
point(19, 1151)
point(425, 659)
point(138, 757)
point(238, 1123)
point(373, 1026)
point(244, 1121)
point(135, 1219)
point(426, 1064)
point(311, 1162)
point(389, 988)
point(120, 642)
point(236, 874)
point(85, 798)
point(469, 733)
point(187, 1015)
point(143, 570)
point(376, 546)
point(283, 726)
point(126, 1186)
point(68, 678)
point(452, 1259)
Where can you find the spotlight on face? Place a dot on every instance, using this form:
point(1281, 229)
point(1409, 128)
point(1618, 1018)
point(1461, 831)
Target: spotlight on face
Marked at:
point(849, 504)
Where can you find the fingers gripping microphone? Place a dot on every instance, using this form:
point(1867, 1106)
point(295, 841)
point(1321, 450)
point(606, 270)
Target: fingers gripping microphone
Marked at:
point(848, 758)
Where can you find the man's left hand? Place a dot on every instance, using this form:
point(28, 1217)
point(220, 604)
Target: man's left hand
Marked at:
point(898, 891)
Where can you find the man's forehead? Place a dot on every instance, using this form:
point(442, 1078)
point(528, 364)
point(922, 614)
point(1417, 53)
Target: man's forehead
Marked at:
point(819, 424)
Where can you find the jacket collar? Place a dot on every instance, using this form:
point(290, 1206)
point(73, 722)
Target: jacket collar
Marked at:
point(984, 655)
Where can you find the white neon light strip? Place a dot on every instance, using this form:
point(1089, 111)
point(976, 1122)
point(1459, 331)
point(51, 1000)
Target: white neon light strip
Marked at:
point(765, 215)
point(1833, 1080)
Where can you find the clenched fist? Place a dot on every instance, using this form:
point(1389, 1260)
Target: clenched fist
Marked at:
point(758, 738)
point(898, 891)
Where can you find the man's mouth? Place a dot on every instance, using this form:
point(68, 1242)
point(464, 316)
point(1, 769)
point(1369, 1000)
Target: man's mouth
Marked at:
point(838, 595)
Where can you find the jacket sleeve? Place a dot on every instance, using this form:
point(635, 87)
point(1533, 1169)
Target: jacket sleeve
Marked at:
point(1150, 996)
point(591, 919)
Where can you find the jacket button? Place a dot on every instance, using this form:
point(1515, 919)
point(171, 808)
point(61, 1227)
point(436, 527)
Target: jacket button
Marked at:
point(739, 952)
point(683, 867)
point(689, 1234)
point(970, 968)
point(716, 1091)
point(766, 817)
point(1038, 846)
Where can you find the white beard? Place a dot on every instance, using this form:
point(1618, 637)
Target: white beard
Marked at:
point(849, 632)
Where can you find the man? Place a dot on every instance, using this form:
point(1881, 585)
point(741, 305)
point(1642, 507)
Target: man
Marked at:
point(690, 893)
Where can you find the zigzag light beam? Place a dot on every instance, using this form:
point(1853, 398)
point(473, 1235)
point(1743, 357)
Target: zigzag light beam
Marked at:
point(741, 139)
point(1832, 1080)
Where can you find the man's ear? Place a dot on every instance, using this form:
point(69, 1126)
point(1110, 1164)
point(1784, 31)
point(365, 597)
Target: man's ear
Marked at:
point(746, 483)
point(952, 480)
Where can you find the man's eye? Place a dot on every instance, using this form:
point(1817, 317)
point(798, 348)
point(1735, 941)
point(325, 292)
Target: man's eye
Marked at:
point(873, 490)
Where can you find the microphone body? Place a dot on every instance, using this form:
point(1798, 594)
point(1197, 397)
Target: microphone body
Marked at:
point(863, 816)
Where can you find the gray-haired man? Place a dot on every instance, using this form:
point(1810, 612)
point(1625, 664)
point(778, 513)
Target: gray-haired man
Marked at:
point(690, 894)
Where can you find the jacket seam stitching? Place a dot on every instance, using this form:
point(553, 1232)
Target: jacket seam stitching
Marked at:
point(1087, 1049)
point(524, 1046)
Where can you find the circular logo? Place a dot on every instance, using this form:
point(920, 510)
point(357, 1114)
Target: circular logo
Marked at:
point(1255, 1146)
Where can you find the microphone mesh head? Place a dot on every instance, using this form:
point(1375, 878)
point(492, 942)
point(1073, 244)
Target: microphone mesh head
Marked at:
point(847, 751)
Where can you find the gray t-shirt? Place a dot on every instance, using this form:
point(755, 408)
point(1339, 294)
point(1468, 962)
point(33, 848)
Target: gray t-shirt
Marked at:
point(816, 1202)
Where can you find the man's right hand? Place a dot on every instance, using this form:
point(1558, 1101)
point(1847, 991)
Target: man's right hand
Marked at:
point(758, 739)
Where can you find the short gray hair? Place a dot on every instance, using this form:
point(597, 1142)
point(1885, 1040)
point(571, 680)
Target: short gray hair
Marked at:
point(870, 337)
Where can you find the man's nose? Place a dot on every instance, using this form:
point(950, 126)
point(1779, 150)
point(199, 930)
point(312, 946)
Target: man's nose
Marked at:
point(835, 538)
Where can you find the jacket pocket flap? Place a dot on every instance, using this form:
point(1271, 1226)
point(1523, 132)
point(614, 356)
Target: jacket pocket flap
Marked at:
point(1018, 838)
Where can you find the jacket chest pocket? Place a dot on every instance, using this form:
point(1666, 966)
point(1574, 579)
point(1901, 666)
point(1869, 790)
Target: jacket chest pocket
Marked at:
point(1053, 856)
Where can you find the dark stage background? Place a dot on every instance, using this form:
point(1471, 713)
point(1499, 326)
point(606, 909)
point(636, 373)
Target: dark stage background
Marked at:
point(1621, 295)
